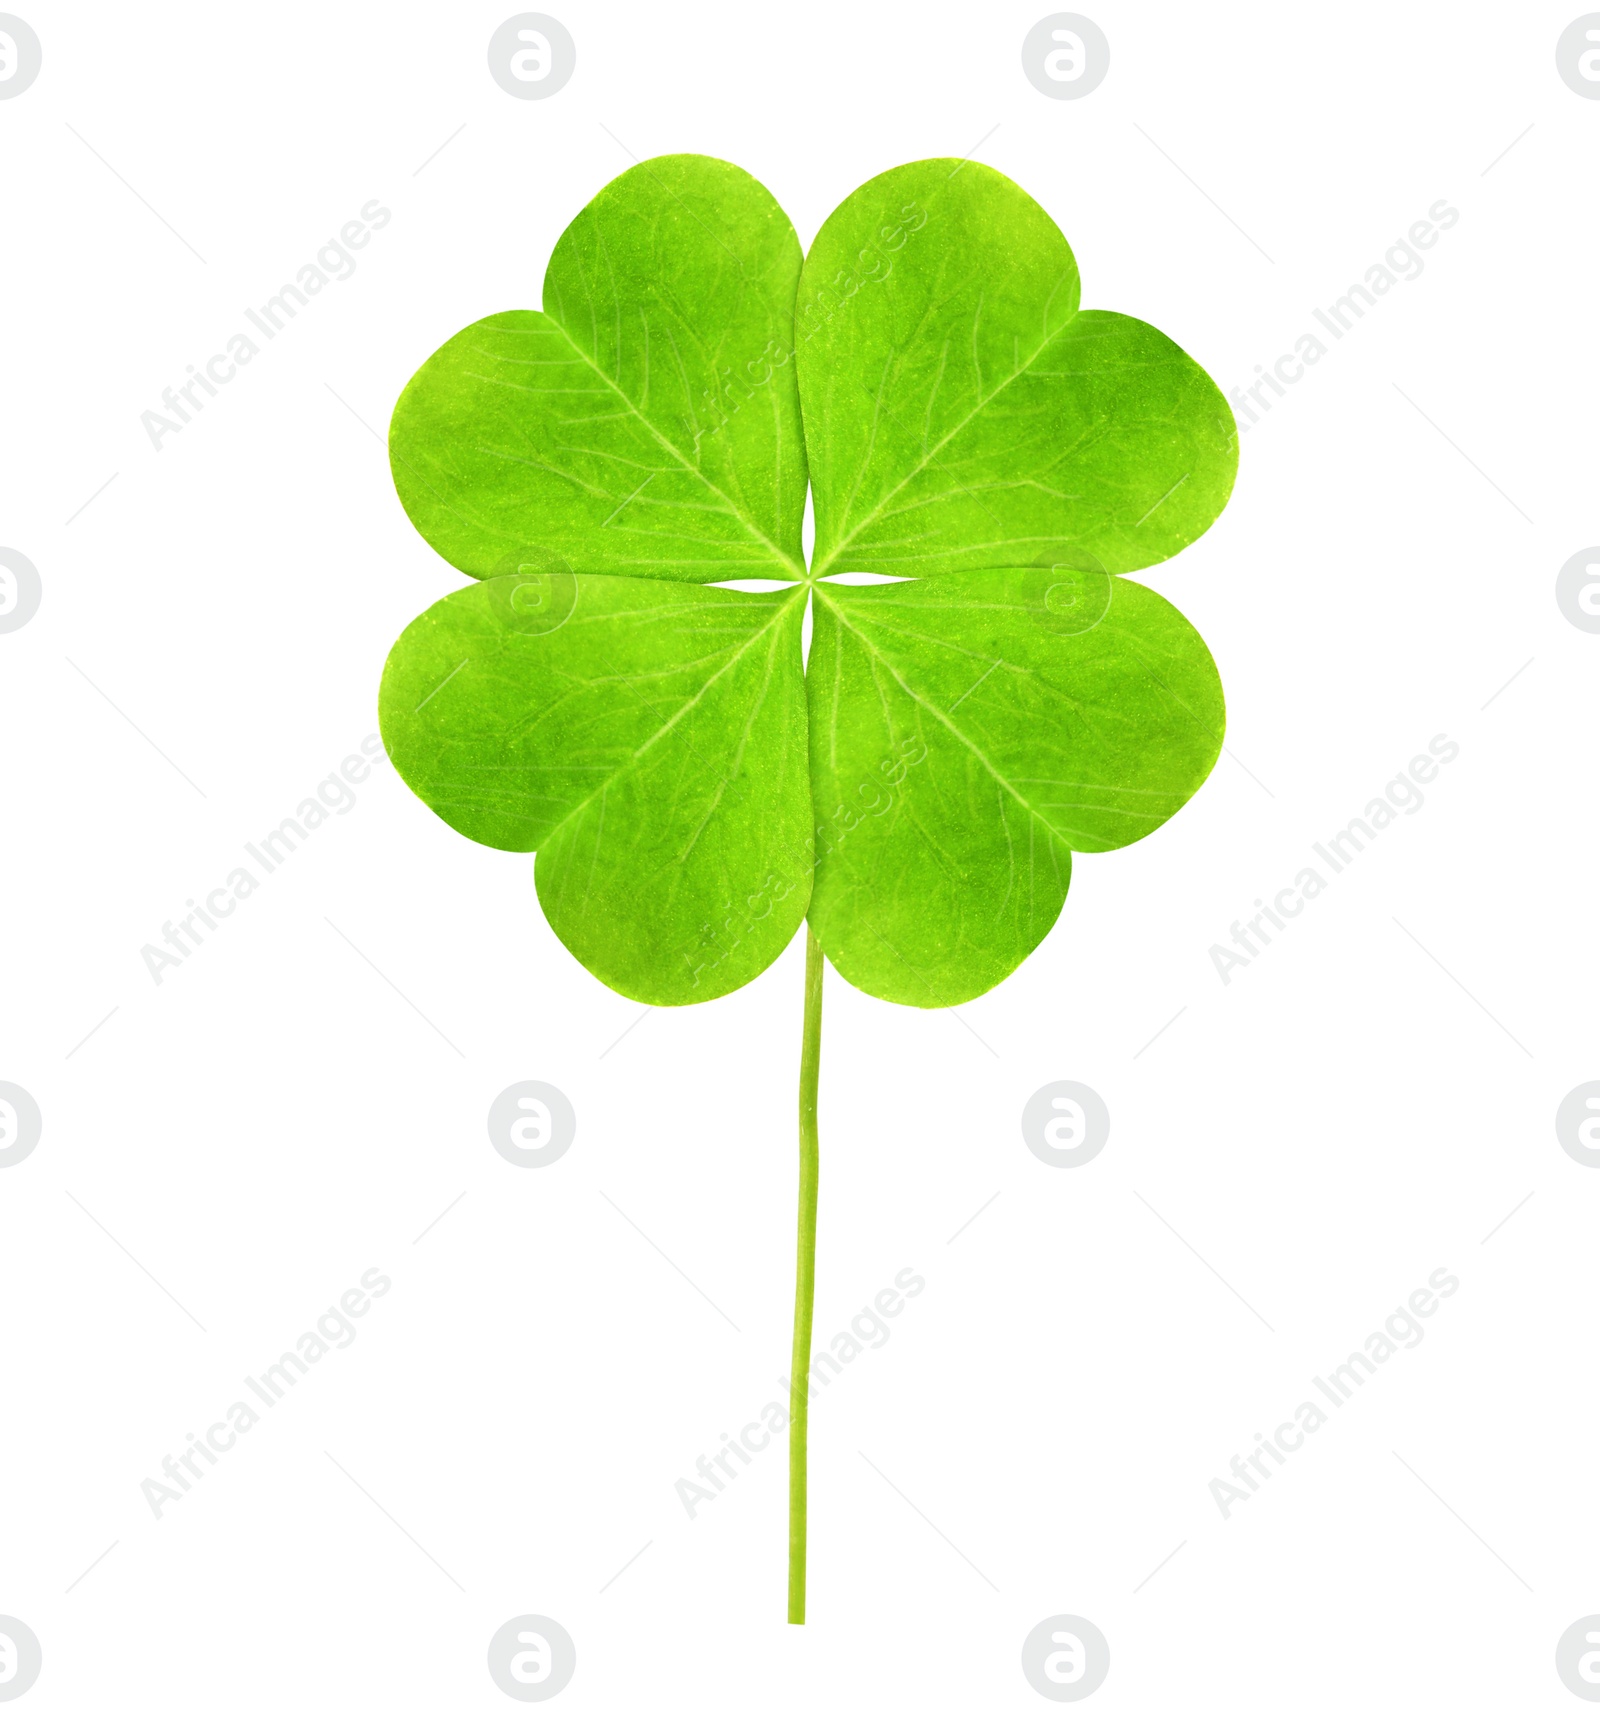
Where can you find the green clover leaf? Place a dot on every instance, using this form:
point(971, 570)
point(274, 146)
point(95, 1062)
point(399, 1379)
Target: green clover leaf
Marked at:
point(693, 784)
point(966, 426)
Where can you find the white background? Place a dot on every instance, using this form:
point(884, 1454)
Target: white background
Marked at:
point(273, 1119)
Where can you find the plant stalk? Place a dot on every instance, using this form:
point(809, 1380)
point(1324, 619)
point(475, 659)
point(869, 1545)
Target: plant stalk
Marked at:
point(805, 1271)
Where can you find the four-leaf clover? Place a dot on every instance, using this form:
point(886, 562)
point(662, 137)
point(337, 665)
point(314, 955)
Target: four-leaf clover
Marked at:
point(984, 692)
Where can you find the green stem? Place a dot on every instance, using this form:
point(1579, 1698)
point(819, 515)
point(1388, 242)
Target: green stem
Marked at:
point(805, 1272)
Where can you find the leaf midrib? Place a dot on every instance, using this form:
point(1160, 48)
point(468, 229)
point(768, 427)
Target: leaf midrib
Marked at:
point(734, 510)
point(943, 718)
point(929, 454)
point(781, 610)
